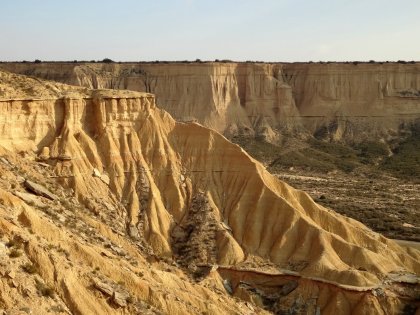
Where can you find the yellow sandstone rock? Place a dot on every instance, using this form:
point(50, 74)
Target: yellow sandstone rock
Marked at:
point(187, 194)
point(342, 101)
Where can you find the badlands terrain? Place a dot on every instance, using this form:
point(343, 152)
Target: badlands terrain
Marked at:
point(346, 133)
point(110, 206)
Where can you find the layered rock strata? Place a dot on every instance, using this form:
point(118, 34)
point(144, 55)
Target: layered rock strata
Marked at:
point(168, 184)
point(337, 101)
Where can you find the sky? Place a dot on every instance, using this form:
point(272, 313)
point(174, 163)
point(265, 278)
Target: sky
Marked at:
point(258, 30)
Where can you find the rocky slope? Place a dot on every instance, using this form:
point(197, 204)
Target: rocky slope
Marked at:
point(336, 101)
point(137, 211)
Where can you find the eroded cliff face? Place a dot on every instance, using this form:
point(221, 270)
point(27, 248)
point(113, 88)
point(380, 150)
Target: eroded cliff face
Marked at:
point(184, 192)
point(230, 98)
point(340, 102)
point(356, 102)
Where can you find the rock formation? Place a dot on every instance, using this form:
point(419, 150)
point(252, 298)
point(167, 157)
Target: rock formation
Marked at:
point(153, 204)
point(335, 101)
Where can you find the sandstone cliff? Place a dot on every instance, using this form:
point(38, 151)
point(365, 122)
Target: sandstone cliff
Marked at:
point(184, 193)
point(349, 102)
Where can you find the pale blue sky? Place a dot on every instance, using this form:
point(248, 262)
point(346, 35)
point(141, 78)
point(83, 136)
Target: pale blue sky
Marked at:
point(268, 30)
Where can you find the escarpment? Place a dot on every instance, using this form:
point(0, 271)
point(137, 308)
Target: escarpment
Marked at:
point(177, 191)
point(348, 102)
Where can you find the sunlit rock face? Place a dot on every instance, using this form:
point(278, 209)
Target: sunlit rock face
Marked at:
point(181, 191)
point(348, 102)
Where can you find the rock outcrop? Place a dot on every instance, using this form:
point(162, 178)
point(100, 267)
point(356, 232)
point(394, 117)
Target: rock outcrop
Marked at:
point(163, 189)
point(335, 101)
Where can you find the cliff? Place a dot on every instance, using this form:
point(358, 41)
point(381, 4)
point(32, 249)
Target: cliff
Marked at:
point(336, 101)
point(172, 191)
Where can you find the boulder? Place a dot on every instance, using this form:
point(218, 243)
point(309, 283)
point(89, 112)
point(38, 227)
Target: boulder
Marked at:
point(44, 154)
point(103, 287)
point(4, 161)
point(96, 173)
point(39, 190)
point(3, 249)
point(30, 199)
point(103, 177)
point(11, 274)
point(120, 298)
point(133, 232)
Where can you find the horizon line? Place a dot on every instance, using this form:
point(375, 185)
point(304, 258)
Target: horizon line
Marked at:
point(199, 61)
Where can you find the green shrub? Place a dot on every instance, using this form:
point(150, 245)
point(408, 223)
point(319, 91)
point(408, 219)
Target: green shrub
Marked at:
point(30, 268)
point(130, 299)
point(44, 289)
point(13, 243)
point(405, 161)
point(14, 253)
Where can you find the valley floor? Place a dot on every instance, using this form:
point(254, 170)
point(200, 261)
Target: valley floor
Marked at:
point(386, 204)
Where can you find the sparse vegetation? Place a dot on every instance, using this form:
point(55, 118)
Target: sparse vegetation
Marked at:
point(320, 155)
point(14, 243)
point(405, 161)
point(325, 156)
point(44, 289)
point(370, 152)
point(369, 201)
point(57, 309)
point(30, 268)
point(14, 253)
